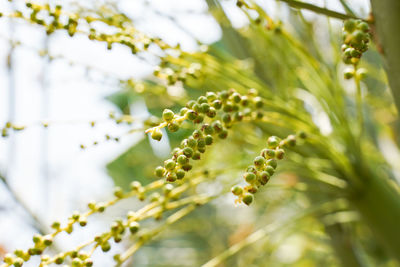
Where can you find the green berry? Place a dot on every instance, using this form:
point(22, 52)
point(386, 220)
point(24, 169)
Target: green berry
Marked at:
point(196, 156)
point(208, 129)
point(156, 134)
point(301, 134)
point(217, 126)
point(363, 26)
point(273, 142)
point(183, 111)
point(197, 108)
point(223, 134)
point(191, 143)
point(226, 118)
point(211, 96)
point(192, 115)
point(361, 73)
point(201, 149)
point(291, 139)
point(171, 177)
point(244, 101)
point(280, 153)
point(201, 143)
point(208, 140)
point(205, 107)
point(270, 170)
point(249, 177)
point(160, 171)
point(202, 99)
point(197, 134)
point(134, 227)
point(350, 25)
point(237, 190)
point(247, 199)
point(273, 163)
point(169, 164)
point(187, 167)
point(182, 160)
point(258, 102)
point(268, 153)
point(264, 177)
point(180, 174)
point(217, 104)
point(211, 113)
point(168, 115)
point(173, 126)
point(118, 192)
point(190, 104)
point(224, 95)
point(228, 107)
point(199, 119)
point(236, 97)
point(104, 247)
point(251, 169)
point(259, 161)
point(348, 73)
point(188, 151)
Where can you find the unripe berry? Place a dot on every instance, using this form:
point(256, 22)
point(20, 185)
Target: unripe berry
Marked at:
point(228, 107)
point(259, 161)
point(202, 99)
point(199, 119)
point(183, 111)
point(258, 102)
point(236, 97)
point(247, 199)
point(249, 177)
point(78, 262)
point(191, 143)
point(160, 171)
point(348, 73)
point(173, 126)
point(182, 160)
point(226, 118)
point(268, 153)
point(192, 115)
point(361, 73)
point(201, 143)
point(273, 163)
point(224, 95)
point(136, 185)
point(211, 96)
point(134, 227)
point(244, 101)
point(187, 167)
point(363, 26)
point(208, 129)
point(251, 169)
point(197, 108)
point(118, 192)
point(188, 151)
point(211, 113)
point(180, 174)
point(168, 115)
point(190, 104)
point(217, 126)
point(280, 153)
point(171, 177)
point(349, 25)
point(197, 134)
point(156, 134)
point(291, 139)
point(237, 190)
point(208, 140)
point(270, 170)
point(196, 156)
point(88, 263)
point(205, 107)
point(264, 177)
point(273, 142)
point(169, 164)
point(201, 149)
point(223, 134)
point(217, 104)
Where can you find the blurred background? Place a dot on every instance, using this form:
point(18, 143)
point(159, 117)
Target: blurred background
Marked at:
point(63, 90)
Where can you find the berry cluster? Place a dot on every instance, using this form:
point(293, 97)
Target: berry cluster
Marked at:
point(263, 167)
point(216, 112)
point(159, 202)
point(356, 38)
point(53, 18)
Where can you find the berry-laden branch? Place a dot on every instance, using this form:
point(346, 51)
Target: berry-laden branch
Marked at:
point(260, 173)
point(216, 113)
point(356, 37)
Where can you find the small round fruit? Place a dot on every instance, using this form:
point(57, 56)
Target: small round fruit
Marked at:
point(248, 199)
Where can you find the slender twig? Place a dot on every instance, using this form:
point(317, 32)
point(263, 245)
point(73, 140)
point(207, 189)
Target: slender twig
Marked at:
point(346, 7)
point(36, 222)
point(319, 10)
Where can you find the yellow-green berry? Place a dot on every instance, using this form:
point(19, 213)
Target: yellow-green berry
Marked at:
point(168, 115)
point(247, 199)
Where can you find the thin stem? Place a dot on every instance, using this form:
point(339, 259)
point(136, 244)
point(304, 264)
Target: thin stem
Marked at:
point(319, 10)
point(360, 115)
